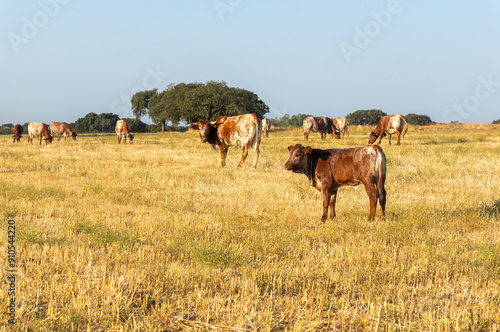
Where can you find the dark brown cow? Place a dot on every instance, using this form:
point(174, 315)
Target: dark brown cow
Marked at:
point(265, 127)
point(39, 129)
point(389, 124)
point(328, 170)
point(340, 126)
point(122, 132)
point(62, 129)
point(322, 124)
point(18, 131)
point(244, 130)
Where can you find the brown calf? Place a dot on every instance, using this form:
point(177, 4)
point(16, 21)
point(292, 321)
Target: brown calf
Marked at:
point(18, 131)
point(389, 124)
point(61, 129)
point(122, 132)
point(244, 130)
point(323, 125)
point(328, 170)
point(39, 129)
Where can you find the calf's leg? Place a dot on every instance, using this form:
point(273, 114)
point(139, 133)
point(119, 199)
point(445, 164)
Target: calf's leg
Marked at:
point(372, 194)
point(244, 155)
point(223, 154)
point(257, 151)
point(380, 139)
point(399, 137)
point(333, 200)
point(326, 202)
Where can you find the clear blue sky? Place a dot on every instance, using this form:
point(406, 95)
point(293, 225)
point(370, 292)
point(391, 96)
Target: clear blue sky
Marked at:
point(61, 59)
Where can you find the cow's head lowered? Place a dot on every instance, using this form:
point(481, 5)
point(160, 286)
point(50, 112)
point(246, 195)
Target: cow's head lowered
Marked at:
point(208, 130)
point(334, 131)
point(73, 134)
point(373, 137)
point(297, 161)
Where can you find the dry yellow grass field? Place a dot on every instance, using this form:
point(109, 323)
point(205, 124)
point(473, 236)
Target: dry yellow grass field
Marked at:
point(156, 236)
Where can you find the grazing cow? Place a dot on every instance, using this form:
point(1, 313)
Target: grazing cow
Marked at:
point(265, 127)
point(39, 129)
point(18, 131)
point(122, 132)
point(340, 126)
point(327, 170)
point(244, 130)
point(389, 124)
point(322, 124)
point(62, 129)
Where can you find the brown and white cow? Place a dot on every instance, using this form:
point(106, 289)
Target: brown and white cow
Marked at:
point(328, 170)
point(122, 132)
point(318, 124)
point(389, 124)
point(265, 127)
point(61, 129)
point(39, 129)
point(242, 130)
point(340, 126)
point(17, 134)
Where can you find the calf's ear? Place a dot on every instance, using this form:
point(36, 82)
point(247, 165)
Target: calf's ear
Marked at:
point(220, 120)
point(195, 126)
point(308, 150)
point(290, 148)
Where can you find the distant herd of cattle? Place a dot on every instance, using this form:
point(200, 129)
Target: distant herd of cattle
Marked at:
point(327, 170)
point(47, 133)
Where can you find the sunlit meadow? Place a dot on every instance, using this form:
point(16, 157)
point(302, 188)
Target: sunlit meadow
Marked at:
point(156, 236)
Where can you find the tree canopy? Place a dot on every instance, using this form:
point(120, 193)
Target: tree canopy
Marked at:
point(192, 102)
point(365, 117)
point(287, 120)
point(418, 119)
point(94, 123)
point(6, 129)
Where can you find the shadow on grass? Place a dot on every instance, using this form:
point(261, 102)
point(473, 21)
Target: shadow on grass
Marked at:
point(492, 210)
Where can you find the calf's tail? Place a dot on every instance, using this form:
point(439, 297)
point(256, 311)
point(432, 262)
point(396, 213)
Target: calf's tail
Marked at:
point(256, 132)
point(381, 165)
point(405, 127)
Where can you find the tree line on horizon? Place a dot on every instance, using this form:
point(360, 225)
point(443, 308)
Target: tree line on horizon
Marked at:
point(93, 123)
point(358, 118)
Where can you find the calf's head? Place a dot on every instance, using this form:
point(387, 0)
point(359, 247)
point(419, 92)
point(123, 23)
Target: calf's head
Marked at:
point(205, 129)
point(372, 138)
point(297, 161)
point(208, 130)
